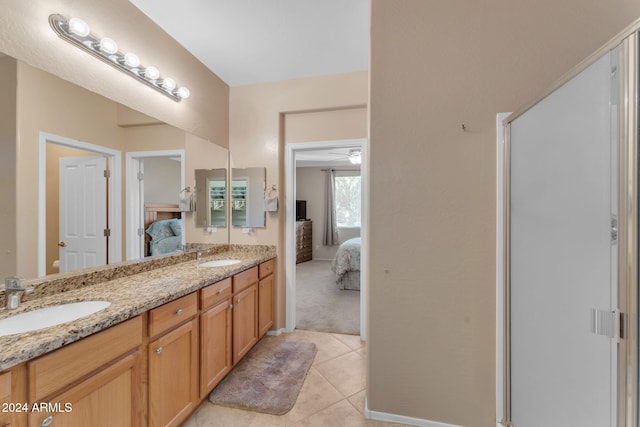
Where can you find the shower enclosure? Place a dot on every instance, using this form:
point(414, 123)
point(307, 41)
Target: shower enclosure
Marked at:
point(571, 248)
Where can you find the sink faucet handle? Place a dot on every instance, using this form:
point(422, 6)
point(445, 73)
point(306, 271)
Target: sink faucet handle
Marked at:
point(14, 284)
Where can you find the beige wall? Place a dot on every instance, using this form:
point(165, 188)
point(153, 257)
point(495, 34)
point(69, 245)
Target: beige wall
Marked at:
point(435, 66)
point(154, 137)
point(8, 83)
point(162, 180)
point(25, 34)
point(256, 138)
point(331, 125)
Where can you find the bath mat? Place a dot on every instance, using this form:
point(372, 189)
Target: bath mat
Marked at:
point(268, 379)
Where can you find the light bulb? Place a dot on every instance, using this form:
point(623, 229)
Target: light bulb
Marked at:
point(108, 45)
point(131, 60)
point(151, 72)
point(78, 27)
point(168, 84)
point(183, 92)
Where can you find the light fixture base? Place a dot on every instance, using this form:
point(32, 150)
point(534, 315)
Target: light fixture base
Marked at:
point(87, 43)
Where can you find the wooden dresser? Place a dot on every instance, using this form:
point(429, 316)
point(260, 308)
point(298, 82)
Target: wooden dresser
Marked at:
point(304, 241)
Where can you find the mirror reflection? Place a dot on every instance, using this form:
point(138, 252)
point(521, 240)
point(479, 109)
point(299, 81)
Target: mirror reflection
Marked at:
point(211, 198)
point(247, 197)
point(78, 167)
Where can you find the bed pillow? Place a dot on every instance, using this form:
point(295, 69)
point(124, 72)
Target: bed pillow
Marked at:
point(160, 229)
point(176, 226)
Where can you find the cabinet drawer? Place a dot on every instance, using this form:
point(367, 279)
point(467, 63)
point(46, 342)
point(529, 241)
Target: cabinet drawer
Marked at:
point(172, 314)
point(244, 279)
point(213, 294)
point(266, 268)
point(57, 370)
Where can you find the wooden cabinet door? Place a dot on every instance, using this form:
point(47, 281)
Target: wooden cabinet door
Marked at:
point(108, 398)
point(215, 346)
point(5, 398)
point(245, 321)
point(173, 375)
point(265, 305)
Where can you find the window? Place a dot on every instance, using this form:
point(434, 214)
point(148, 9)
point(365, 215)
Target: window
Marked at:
point(347, 198)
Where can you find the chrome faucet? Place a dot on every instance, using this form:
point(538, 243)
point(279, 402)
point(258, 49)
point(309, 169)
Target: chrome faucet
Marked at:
point(13, 291)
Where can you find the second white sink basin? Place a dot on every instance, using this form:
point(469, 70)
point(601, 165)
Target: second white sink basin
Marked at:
point(220, 262)
point(49, 316)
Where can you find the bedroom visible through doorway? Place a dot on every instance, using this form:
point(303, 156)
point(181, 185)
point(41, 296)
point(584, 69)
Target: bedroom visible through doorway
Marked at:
point(327, 218)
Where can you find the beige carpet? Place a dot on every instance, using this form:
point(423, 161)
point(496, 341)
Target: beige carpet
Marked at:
point(268, 379)
point(320, 305)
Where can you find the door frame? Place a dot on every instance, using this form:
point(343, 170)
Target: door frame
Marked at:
point(290, 229)
point(500, 243)
point(114, 210)
point(132, 161)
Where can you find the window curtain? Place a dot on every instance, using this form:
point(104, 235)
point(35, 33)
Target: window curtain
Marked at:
point(330, 225)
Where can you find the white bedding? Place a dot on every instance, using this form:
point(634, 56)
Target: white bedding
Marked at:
point(346, 264)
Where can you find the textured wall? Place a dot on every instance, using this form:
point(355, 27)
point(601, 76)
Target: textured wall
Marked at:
point(434, 66)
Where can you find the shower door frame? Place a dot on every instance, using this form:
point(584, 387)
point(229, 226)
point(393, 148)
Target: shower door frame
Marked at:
point(627, 377)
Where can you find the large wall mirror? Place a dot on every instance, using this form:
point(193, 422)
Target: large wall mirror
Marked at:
point(45, 120)
point(247, 197)
point(211, 198)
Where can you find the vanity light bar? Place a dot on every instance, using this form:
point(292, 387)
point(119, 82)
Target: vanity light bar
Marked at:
point(78, 33)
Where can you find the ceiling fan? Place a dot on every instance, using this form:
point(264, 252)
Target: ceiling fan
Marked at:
point(354, 156)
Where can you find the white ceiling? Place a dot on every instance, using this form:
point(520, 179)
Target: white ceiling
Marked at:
point(324, 157)
point(257, 41)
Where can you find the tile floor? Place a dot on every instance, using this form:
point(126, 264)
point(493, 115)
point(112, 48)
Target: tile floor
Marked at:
point(333, 393)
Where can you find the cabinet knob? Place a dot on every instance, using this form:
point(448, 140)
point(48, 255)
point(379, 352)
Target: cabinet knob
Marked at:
point(230, 306)
point(220, 291)
point(158, 350)
point(179, 312)
point(238, 301)
point(47, 421)
point(262, 285)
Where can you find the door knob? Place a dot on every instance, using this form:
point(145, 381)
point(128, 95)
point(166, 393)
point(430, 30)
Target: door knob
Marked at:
point(62, 244)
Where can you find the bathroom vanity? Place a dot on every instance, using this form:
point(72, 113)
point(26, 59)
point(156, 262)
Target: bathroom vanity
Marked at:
point(169, 337)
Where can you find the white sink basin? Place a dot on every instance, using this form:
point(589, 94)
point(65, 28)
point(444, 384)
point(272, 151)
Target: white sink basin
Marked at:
point(220, 262)
point(49, 316)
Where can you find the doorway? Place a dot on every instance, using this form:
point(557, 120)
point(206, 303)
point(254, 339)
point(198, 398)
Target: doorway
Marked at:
point(295, 151)
point(113, 211)
point(136, 184)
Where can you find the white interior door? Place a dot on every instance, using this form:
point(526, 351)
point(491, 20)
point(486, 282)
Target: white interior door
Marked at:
point(562, 259)
point(83, 212)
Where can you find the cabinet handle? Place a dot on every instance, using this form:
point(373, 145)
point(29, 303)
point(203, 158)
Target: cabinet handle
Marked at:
point(219, 291)
point(238, 301)
point(179, 312)
point(47, 421)
point(158, 350)
point(230, 306)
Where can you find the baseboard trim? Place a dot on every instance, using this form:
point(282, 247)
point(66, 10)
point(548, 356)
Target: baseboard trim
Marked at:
point(276, 332)
point(401, 419)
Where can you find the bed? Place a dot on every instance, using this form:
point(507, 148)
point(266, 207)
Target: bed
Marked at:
point(346, 264)
point(163, 228)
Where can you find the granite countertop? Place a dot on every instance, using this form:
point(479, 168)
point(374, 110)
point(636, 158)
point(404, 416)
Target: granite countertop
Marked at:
point(129, 296)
